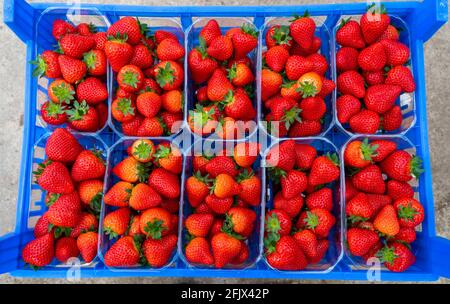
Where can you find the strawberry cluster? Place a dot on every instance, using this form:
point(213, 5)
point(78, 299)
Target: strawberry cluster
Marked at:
point(293, 83)
point(150, 77)
point(224, 191)
point(78, 93)
point(372, 74)
point(146, 204)
point(73, 179)
point(297, 228)
point(223, 74)
point(382, 214)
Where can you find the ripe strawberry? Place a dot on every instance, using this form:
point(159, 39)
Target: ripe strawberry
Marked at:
point(62, 146)
point(151, 127)
point(75, 45)
point(228, 128)
point(40, 251)
point(165, 183)
point(42, 226)
point(95, 61)
point(351, 83)
point(296, 66)
point(198, 225)
point(320, 64)
point(240, 74)
point(322, 198)
point(144, 197)
point(225, 186)
point(410, 212)
point(358, 208)
point(60, 91)
point(308, 242)
point(245, 154)
point(384, 148)
point(64, 210)
point(320, 221)
point(305, 155)
point(47, 64)
point(87, 244)
point(134, 227)
point(250, 188)
point(239, 220)
point(155, 222)
point(224, 248)
point(220, 48)
point(391, 33)
point(130, 170)
point(172, 121)
point(169, 157)
point(386, 221)
point(170, 49)
point(87, 222)
point(360, 241)
point(291, 206)
point(392, 119)
point(401, 76)
point(276, 58)
point(148, 104)
point(373, 23)
point(328, 87)
point(118, 52)
point(293, 183)
point(278, 222)
point(123, 110)
point(72, 70)
point(158, 252)
point(381, 98)
point(372, 58)
point(221, 164)
point(286, 255)
point(349, 34)
point(61, 28)
point(91, 192)
point(302, 30)
point(406, 234)
point(119, 194)
point(100, 40)
point(366, 122)
point(197, 189)
point(54, 177)
point(270, 83)
point(210, 31)
point(169, 75)
point(218, 86)
point(278, 35)
point(322, 249)
point(284, 110)
point(86, 29)
point(401, 166)
point(198, 251)
point(396, 257)
point(397, 190)
point(83, 118)
point(88, 165)
point(347, 106)
point(347, 59)
point(238, 105)
point(396, 52)
point(203, 120)
point(124, 252)
point(313, 108)
point(325, 169)
point(245, 40)
point(92, 90)
point(116, 223)
point(369, 180)
point(201, 65)
point(143, 150)
point(160, 35)
point(130, 78)
point(65, 249)
point(305, 128)
point(218, 205)
point(128, 27)
point(172, 101)
point(131, 127)
point(243, 255)
point(359, 154)
point(142, 57)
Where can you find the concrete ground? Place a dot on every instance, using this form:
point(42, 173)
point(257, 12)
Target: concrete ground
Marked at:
point(12, 71)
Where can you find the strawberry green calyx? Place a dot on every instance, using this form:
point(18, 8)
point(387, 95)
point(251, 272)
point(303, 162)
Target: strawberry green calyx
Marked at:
point(201, 117)
point(311, 220)
point(64, 93)
point(357, 219)
point(232, 72)
point(250, 90)
point(40, 169)
point(54, 109)
point(155, 228)
point(60, 231)
point(165, 75)
point(110, 233)
point(275, 174)
point(376, 9)
point(143, 150)
point(270, 242)
point(52, 198)
point(227, 228)
point(118, 38)
point(202, 47)
point(41, 66)
point(229, 98)
point(143, 27)
point(143, 171)
point(333, 157)
point(79, 110)
point(273, 224)
point(416, 167)
point(296, 16)
point(131, 79)
point(307, 89)
point(290, 116)
point(246, 174)
point(367, 150)
point(344, 22)
point(407, 212)
point(204, 179)
point(288, 84)
point(96, 203)
point(90, 59)
point(250, 30)
point(124, 105)
point(162, 152)
point(281, 35)
point(386, 254)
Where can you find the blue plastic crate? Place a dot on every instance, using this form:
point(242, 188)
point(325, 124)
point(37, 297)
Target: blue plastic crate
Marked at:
point(423, 20)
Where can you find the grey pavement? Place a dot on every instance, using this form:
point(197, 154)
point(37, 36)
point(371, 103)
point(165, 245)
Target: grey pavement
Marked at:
point(12, 73)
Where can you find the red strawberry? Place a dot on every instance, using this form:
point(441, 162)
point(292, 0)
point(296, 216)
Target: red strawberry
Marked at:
point(169, 157)
point(100, 40)
point(243, 255)
point(366, 122)
point(61, 28)
point(276, 58)
point(347, 59)
point(40, 251)
point(160, 35)
point(218, 86)
point(286, 255)
point(270, 83)
point(240, 74)
point(396, 257)
point(278, 35)
point(124, 252)
point(401, 76)
point(60, 91)
point(325, 169)
point(47, 64)
point(200, 65)
point(198, 251)
point(102, 113)
point(378, 201)
point(245, 154)
point(148, 104)
point(65, 210)
point(151, 127)
point(62, 146)
point(225, 186)
point(322, 198)
point(328, 87)
point(347, 106)
point(360, 241)
point(359, 154)
point(250, 188)
point(291, 206)
point(87, 244)
point(88, 222)
point(320, 221)
point(142, 57)
point(374, 78)
point(282, 156)
point(397, 190)
point(305, 155)
point(381, 98)
point(384, 148)
point(197, 189)
point(172, 121)
point(170, 49)
point(372, 58)
point(224, 248)
point(322, 249)
point(65, 249)
point(218, 205)
point(131, 127)
point(54, 177)
point(75, 45)
point(239, 220)
point(88, 165)
point(285, 110)
point(302, 30)
point(199, 224)
point(119, 194)
point(238, 105)
point(72, 70)
point(320, 64)
point(130, 78)
point(210, 31)
point(95, 61)
point(369, 180)
point(296, 66)
point(169, 75)
point(373, 23)
point(386, 221)
point(410, 212)
point(305, 128)
point(401, 166)
point(358, 208)
point(308, 243)
point(349, 34)
point(144, 197)
point(391, 33)
point(127, 27)
point(219, 165)
point(293, 183)
point(116, 223)
point(155, 222)
point(392, 119)
point(165, 183)
point(244, 40)
point(221, 48)
point(118, 52)
point(313, 108)
point(406, 234)
point(92, 90)
point(396, 52)
point(42, 226)
point(123, 110)
point(83, 117)
point(278, 222)
point(158, 252)
point(351, 83)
